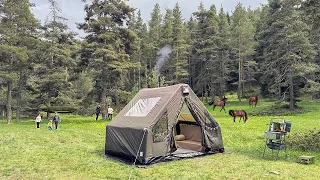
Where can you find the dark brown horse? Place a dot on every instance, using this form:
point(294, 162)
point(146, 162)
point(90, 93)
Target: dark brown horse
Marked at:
point(221, 103)
point(253, 101)
point(241, 113)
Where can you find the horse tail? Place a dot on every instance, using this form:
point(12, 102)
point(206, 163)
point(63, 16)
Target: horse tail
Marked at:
point(231, 113)
point(245, 114)
point(211, 102)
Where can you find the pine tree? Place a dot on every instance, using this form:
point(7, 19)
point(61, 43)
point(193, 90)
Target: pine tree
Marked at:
point(56, 61)
point(206, 50)
point(17, 30)
point(191, 32)
point(223, 53)
point(311, 15)
point(288, 48)
point(243, 42)
point(166, 29)
point(179, 55)
point(109, 43)
point(153, 41)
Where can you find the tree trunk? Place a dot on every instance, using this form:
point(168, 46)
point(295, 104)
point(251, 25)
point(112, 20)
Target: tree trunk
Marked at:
point(177, 66)
point(117, 102)
point(19, 98)
point(279, 92)
point(239, 76)
point(291, 103)
point(49, 105)
point(239, 83)
point(103, 97)
point(314, 94)
point(9, 99)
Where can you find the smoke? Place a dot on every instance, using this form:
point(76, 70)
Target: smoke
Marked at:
point(163, 55)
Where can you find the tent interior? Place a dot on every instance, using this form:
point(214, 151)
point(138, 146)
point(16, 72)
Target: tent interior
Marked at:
point(188, 136)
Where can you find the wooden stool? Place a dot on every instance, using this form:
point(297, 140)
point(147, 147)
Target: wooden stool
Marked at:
point(307, 159)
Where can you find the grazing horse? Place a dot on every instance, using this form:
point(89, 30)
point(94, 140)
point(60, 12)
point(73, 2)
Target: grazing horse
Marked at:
point(253, 100)
point(241, 113)
point(221, 103)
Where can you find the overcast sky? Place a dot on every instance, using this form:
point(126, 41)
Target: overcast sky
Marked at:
point(73, 9)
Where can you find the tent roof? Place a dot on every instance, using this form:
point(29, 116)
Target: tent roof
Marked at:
point(146, 106)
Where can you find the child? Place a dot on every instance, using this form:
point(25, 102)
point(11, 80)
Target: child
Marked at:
point(50, 125)
point(38, 120)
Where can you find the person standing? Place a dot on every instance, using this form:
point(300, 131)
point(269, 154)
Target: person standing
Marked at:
point(38, 120)
point(98, 110)
point(56, 120)
point(110, 112)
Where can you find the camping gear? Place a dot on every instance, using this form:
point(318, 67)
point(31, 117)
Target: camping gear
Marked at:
point(307, 159)
point(276, 136)
point(146, 128)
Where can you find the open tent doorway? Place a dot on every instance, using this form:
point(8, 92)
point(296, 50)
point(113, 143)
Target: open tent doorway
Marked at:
point(188, 133)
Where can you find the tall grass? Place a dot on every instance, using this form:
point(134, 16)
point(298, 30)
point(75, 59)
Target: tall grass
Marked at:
point(74, 151)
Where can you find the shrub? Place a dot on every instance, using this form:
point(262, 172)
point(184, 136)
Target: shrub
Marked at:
point(278, 110)
point(305, 141)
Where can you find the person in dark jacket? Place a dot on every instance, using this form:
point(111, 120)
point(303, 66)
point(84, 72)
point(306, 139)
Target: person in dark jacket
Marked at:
point(56, 120)
point(98, 110)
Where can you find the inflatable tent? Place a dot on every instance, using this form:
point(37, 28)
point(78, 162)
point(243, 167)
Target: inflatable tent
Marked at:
point(162, 123)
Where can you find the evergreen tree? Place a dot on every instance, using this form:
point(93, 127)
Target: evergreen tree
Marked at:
point(191, 32)
point(56, 61)
point(153, 41)
point(206, 49)
point(166, 29)
point(311, 15)
point(18, 28)
point(108, 45)
point(288, 48)
point(179, 55)
point(223, 54)
point(243, 42)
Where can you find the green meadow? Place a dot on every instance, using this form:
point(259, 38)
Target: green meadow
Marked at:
point(75, 150)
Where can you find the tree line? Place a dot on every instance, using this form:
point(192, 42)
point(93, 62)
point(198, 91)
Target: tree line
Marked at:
point(272, 50)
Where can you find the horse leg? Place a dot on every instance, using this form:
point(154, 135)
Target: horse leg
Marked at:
point(224, 109)
point(214, 106)
point(234, 120)
point(240, 119)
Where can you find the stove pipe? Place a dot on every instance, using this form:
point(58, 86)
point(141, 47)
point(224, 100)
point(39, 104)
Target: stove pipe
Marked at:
point(159, 80)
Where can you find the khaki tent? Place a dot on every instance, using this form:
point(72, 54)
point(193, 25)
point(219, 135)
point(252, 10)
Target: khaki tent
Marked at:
point(163, 122)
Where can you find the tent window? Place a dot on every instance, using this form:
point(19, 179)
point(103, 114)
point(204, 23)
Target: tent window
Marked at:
point(160, 130)
point(143, 107)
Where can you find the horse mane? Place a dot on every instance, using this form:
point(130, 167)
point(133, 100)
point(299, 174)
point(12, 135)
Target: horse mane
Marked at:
point(231, 112)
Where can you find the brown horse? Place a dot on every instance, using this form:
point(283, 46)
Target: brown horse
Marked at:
point(221, 103)
point(241, 113)
point(253, 100)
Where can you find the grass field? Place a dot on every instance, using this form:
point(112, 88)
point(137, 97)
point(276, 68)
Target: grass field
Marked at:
point(74, 151)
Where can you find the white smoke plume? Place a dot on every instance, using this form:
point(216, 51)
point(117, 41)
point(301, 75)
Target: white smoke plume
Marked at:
point(163, 55)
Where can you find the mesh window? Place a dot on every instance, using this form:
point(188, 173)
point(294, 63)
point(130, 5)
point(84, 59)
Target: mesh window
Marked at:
point(160, 130)
point(143, 107)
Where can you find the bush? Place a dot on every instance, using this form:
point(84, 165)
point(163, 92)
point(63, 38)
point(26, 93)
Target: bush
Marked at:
point(305, 141)
point(278, 110)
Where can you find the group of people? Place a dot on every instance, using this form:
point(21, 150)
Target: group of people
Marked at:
point(55, 119)
point(110, 112)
